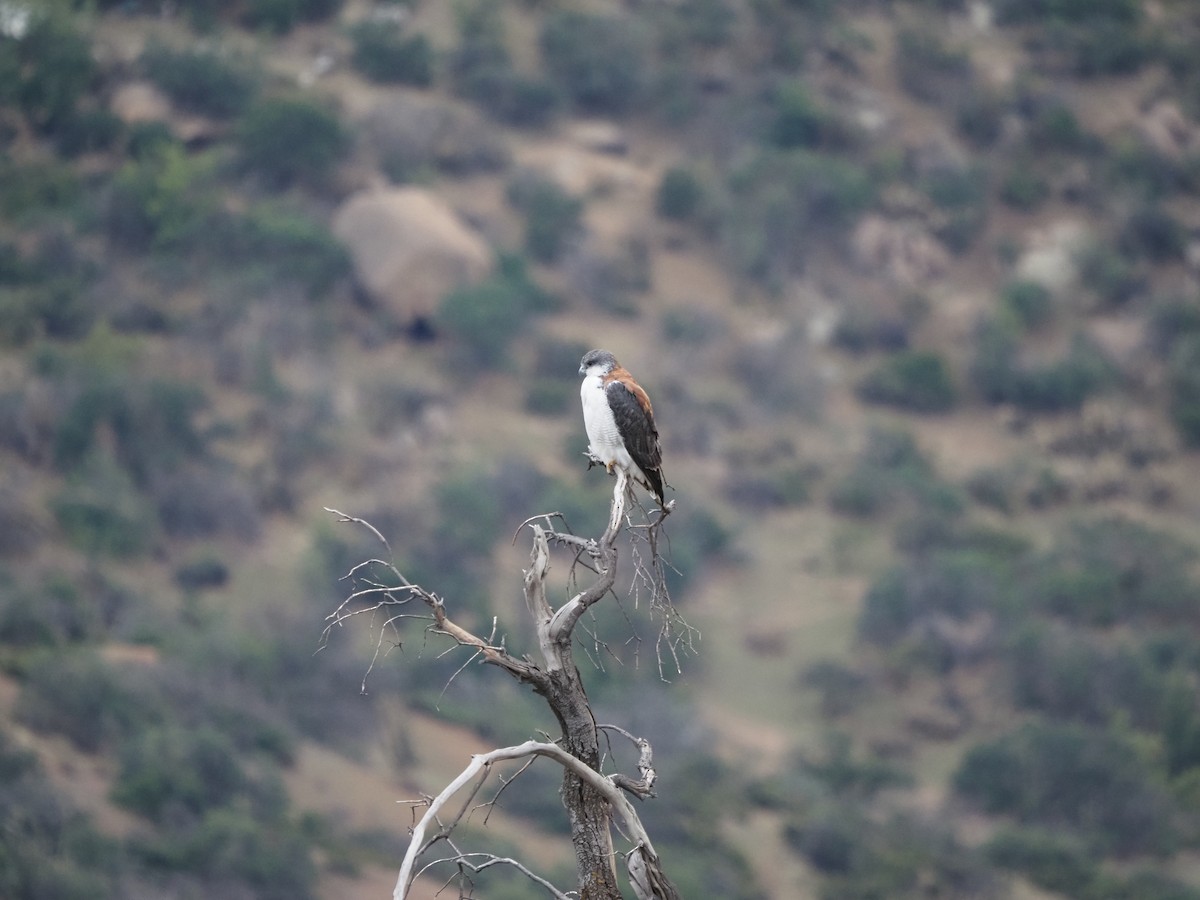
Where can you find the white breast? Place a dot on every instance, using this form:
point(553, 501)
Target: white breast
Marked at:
point(605, 440)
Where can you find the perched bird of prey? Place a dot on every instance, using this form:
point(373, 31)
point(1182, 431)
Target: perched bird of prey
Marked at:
point(619, 421)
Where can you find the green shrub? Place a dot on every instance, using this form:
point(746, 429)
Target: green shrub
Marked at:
point(152, 423)
point(1023, 188)
point(979, 118)
point(202, 573)
point(280, 16)
point(164, 201)
point(680, 194)
point(598, 60)
point(955, 583)
point(290, 140)
point(1063, 384)
point(1050, 860)
point(552, 216)
point(88, 131)
point(101, 513)
point(290, 245)
point(1183, 373)
point(383, 53)
point(1115, 571)
point(1153, 234)
point(962, 197)
point(53, 70)
point(201, 81)
point(485, 318)
point(1020, 12)
point(1029, 302)
point(270, 856)
point(1053, 127)
point(1110, 275)
point(1171, 319)
point(916, 380)
point(169, 770)
point(78, 696)
point(994, 488)
point(785, 201)
point(1064, 776)
point(799, 120)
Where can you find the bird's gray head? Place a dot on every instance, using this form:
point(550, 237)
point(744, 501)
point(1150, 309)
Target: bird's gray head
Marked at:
point(597, 362)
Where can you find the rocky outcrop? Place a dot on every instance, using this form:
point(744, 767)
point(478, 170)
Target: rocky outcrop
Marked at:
point(409, 248)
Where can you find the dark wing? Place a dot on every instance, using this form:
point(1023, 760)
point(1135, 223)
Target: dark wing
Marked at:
point(635, 422)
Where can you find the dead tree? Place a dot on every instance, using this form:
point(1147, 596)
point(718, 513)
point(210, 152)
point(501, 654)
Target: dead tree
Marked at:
point(590, 797)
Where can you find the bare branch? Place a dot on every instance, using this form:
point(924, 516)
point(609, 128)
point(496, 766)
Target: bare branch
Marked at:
point(642, 860)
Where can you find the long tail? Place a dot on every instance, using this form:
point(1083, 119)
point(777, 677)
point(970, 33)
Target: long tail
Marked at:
point(654, 481)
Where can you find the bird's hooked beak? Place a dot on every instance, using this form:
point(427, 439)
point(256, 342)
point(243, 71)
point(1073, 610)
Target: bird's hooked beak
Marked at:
point(582, 370)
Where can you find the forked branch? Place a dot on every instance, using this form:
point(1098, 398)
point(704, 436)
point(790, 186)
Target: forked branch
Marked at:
point(642, 861)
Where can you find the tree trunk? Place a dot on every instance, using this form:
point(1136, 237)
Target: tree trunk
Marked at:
point(588, 812)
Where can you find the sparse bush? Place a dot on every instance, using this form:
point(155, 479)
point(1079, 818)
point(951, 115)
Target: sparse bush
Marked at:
point(413, 135)
point(383, 53)
point(927, 68)
point(779, 487)
point(598, 59)
point(200, 81)
point(290, 140)
point(197, 502)
point(916, 380)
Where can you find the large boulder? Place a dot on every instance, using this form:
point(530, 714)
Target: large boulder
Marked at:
point(409, 248)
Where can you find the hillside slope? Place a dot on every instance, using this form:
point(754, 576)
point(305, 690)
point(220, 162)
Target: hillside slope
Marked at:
point(915, 288)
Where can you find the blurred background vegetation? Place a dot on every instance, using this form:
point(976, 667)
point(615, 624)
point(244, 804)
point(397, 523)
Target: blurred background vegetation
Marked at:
point(915, 286)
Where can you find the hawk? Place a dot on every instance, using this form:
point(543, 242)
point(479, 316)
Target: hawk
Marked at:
point(619, 421)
